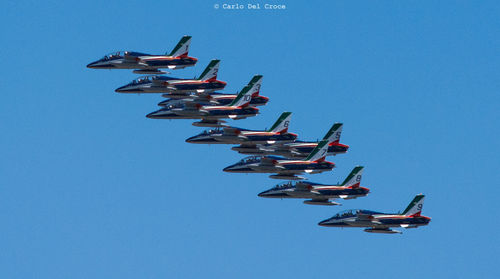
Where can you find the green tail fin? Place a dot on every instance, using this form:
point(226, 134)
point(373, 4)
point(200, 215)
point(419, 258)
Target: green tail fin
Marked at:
point(281, 125)
point(354, 178)
point(210, 71)
point(182, 47)
point(333, 134)
point(415, 206)
point(318, 152)
point(244, 97)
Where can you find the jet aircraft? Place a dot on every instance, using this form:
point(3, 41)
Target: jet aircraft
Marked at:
point(377, 222)
point(285, 168)
point(147, 63)
point(207, 82)
point(211, 116)
point(217, 99)
point(297, 149)
point(232, 135)
point(320, 194)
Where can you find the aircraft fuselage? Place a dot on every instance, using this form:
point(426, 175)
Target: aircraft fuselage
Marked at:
point(211, 112)
point(135, 60)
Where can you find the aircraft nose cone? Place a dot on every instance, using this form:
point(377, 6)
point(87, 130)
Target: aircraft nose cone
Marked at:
point(91, 65)
point(121, 89)
point(192, 139)
point(262, 194)
point(229, 168)
point(323, 223)
point(152, 115)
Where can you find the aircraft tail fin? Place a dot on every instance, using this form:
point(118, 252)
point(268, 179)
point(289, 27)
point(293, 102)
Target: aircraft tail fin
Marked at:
point(281, 125)
point(319, 152)
point(354, 178)
point(334, 133)
point(182, 47)
point(210, 72)
point(415, 206)
point(255, 84)
point(243, 98)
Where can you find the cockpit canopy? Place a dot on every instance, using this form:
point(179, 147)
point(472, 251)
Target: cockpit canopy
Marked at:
point(122, 54)
point(250, 159)
point(285, 185)
point(212, 131)
point(347, 213)
point(142, 79)
point(173, 105)
point(354, 212)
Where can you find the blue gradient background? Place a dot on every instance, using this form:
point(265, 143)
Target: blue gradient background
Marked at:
point(90, 188)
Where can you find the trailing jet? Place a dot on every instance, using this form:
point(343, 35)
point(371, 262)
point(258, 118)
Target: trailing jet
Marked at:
point(214, 98)
point(298, 149)
point(217, 99)
point(211, 116)
point(207, 82)
point(285, 168)
point(376, 222)
point(147, 63)
point(320, 194)
point(232, 135)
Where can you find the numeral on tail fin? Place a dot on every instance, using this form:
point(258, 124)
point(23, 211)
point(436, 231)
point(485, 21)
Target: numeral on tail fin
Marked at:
point(318, 153)
point(243, 98)
point(415, 206)
point(255, 84)
point(281, 125)
point(354, 178)
point(210, 72)
point(334, 133)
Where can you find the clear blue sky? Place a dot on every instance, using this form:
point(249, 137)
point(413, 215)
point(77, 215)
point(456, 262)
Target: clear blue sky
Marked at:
point(91, 188)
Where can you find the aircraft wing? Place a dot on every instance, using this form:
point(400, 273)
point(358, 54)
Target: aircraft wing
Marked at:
point(189, 105)
point(157, 82)
point(268, 161)
point(271, 147)
point(304, 187)
point(203, 98)
point(231, 131)
point(367, 218)
point(131, 58)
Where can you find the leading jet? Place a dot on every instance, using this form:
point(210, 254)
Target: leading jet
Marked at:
point(278, 133)
point(211, 116)
point(285, 168)
point(217, 99)
point(297, 149)
point(377, 222)
point(207, 82)
point(148, 63)
point(320, 194)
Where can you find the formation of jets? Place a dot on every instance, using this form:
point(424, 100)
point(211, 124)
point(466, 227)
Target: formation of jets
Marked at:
point(275, 151)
